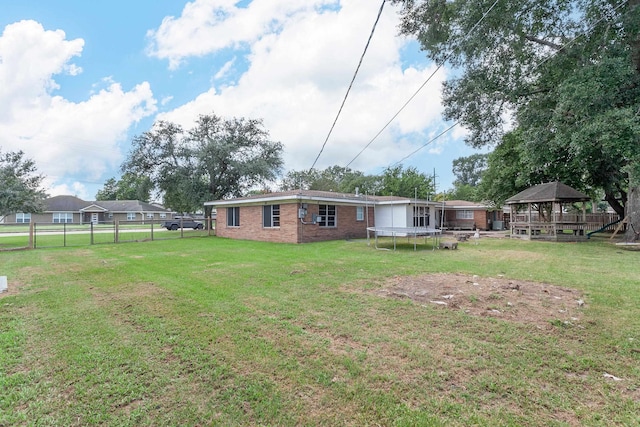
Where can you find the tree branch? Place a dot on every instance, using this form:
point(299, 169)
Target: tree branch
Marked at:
point(543, 42)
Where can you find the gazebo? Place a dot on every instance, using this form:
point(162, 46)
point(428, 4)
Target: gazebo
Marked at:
point(539, 213)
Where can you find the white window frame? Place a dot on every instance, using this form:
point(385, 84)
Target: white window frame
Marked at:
point(131, 216)
point(233, 216)
point(328, 216)
point(271, 216)
point(150, 215)
point(62, 217)
point(464, 214)
point(420, 216)
point(163, 215)
point(23, 218)
point(359, 213)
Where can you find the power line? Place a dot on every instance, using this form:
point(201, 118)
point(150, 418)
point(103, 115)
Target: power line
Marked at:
point(569, 43)
point(394, 116)
point(427, 143)
point(350, 84)
point(422, 86)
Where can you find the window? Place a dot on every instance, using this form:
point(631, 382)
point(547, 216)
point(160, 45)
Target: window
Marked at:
point(420, 216)
point(163, 216)
point(131, 216)
point(271, 216)
point(328, 215)
point(62, 217)
point(359, 213)
point(464, 214)
point(233, 217)
point(23, 218)
point(110, 215)
point(149, 216)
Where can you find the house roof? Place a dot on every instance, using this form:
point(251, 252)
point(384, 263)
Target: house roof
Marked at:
point(65, 204)
point(75, 204)
point(128, 206)
point(464, 204)
point(549, 192)
point(296, 196)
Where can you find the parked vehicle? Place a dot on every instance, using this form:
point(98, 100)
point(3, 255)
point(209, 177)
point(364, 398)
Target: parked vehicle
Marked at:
point(183, 222)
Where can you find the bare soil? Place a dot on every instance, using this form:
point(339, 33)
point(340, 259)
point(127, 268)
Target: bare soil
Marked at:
point(540, 304)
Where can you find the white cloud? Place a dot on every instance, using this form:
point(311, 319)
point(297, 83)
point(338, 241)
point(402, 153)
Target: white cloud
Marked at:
point(63, 137)
point(30, 57)
point(74, 189)
point(298, 76)
point(224, 69)
point(207, 26)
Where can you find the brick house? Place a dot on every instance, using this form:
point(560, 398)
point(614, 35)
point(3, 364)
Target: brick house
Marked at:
point(464, 215)
point(302, 216)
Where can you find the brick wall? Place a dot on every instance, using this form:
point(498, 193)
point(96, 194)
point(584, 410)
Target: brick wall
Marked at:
point(347, 225)
point(479, 219)
point(291, 229)
point(251, 225)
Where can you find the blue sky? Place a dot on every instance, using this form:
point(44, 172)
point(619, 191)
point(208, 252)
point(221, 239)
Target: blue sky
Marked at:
point(80, 79)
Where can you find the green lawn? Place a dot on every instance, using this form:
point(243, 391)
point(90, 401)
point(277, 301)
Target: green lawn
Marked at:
point(213, 331)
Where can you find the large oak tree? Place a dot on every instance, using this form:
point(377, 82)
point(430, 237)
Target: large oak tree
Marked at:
point(128, 187)
point(567, 72)
point(217, 158)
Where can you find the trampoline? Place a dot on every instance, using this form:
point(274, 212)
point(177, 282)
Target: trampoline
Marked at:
point(408, 232)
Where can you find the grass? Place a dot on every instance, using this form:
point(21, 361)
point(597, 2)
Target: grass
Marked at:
point(220, 332)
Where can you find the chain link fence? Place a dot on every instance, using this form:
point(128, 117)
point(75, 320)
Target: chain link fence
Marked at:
point(47, 235)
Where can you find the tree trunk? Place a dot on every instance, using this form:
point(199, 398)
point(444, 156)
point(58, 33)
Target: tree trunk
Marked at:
point(633, 8)
point(633, 211)
point(633, 202)
point(615, 204)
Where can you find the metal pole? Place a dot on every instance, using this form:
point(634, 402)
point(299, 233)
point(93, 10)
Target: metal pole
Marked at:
point(32, 235)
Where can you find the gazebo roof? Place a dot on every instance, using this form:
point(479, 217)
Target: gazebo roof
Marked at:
point(549, 192)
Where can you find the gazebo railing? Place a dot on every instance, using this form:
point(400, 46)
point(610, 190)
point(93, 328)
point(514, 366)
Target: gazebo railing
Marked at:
point(593, 221)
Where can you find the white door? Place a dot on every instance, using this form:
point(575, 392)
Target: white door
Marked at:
point(94, 218)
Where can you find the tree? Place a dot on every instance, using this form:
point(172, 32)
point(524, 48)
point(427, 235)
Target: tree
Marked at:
point(507, 172)
point(568, 73)
point(333, 178)
point(397, 181)
point(20, 188)
point(463, 192)
point(128, 187)
point(217, 158)
point(468, 172)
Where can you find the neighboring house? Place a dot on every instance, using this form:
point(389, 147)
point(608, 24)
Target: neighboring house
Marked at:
point(464, 215)
point(73, 210)
point(303, 216)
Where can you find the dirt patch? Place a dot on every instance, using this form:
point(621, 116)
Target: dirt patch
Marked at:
point(540, 304)
point(13, 288)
